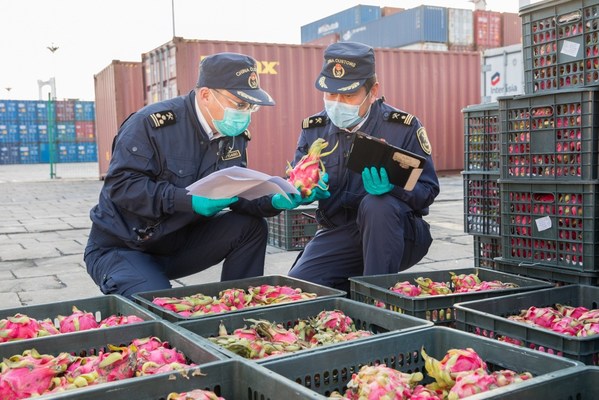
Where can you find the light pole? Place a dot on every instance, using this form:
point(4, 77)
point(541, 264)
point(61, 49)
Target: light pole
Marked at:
point(52, 116)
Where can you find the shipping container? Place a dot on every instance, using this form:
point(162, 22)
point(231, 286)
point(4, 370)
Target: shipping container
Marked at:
point(460, 33)
point(415, 25)
point(502, 73)
point(487, 29)
point(340, 22)
point(512, 29)
point(386, 11)
point(432, 85)
point(426, 46)
point(118, 93)
point(325, 40)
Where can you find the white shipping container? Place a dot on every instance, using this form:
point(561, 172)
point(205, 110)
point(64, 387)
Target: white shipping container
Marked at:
point(428, 46)
point(502, 73)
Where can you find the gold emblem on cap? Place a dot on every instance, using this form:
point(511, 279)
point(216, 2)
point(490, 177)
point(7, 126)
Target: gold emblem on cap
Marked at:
point(338, 71)
point(253, 80)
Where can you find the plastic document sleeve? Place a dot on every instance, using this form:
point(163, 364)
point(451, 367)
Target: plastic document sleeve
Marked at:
point(403, 167)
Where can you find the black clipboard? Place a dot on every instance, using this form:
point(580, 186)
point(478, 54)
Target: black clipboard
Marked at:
point(403, 166)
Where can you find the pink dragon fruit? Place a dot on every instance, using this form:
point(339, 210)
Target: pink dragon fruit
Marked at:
point(148, 343)
point(77, 321)
point(19, 326)
point(423, 393)
point(381, 382)
point(115, 320)
point(543, 316)
point(569, 311)
point(152, 368)
point(464, 282)
point(566, 326)
point(197, 394)
point(432, 288)
point(309, 170)
point(506, 377)
point(589, 329)
point(453, 363)
point(119, 363)
point(47, 328)
point(237, 298)
point(161, 356)
point(406, 288)
point(473, 382)
point(334, 320)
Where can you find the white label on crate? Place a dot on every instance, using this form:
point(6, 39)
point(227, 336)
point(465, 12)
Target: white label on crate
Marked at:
point(543, 223)
point(570, 48)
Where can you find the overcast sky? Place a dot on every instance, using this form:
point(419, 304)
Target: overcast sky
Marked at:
point(90, 34)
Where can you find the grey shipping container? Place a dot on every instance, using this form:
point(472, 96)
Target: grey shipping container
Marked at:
point(502, 73)
point(434, 86)
point(419, 24)
point(460, 29)
point(118, 93)
point(340, 22)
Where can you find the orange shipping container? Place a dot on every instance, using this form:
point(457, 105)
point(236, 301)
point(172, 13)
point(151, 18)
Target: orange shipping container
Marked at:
point(487, 29)
point(118, 93)
point(512, 29)
point(434, 86)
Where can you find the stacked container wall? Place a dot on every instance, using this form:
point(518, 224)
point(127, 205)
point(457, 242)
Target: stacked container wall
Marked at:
point(460, 35)
point(415, 25)
point(487, 29)
point(340, 22)
point(512, 29)
point(434, 86)
point(325, 40)
point(118, 93)
point(386, 11)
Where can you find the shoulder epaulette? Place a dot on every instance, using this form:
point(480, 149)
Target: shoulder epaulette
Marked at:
point(162, 118)
point(314, 121)
point(400, 117)
point(247, 134)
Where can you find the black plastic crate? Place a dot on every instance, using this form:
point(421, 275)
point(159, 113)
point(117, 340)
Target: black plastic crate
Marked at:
point(560, 43)
point(553, 224)
point(231, 379)
point(481, 138)
point(550, 136)
point(101, 306)
point(292, 229)
point(555, 275)
point(213, 289)
point(331, 368)
point(438, 309)
point(486, 249)
point(366, 317)
point(489, 318)
point(578, 383)
point(482, 202)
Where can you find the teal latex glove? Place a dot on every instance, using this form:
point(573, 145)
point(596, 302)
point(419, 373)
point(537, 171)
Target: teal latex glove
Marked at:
point(280, 202)
point(374, 183)
point(209, 207)
point(319, 192)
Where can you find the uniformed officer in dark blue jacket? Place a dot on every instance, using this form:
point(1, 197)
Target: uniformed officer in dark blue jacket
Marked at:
point(146, 229)
point(370, 226)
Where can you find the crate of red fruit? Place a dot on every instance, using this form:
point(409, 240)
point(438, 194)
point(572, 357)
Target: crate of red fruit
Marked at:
point(552, 224)
point(217, 298)
point(481, 138)
point(40, 320)
point(486, 249)
point(224, 380)
point(560, 43)
point(562, 320)
point(573, 383)
point(97, 357)
point(422, 363)
point(292, 229)
point(557, 276)
point(266, 333)
point(482, 214)
point(430, 295)
point(550, 136)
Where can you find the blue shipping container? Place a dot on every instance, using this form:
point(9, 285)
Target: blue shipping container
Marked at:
point(9, 133)
point(29, 154)
point(87, 152)
point(9, 154)
point(415, 25)
point(84, 111)
point(340, 22)
point(8, 111)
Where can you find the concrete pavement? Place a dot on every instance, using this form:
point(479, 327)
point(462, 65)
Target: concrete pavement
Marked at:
point(44, 225)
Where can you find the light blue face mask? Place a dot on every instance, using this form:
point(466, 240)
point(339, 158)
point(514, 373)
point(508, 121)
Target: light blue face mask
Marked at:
point(234, 122)
point(343, 115)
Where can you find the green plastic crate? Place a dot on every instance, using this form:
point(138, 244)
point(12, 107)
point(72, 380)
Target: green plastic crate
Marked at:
point(213, 289)
point(560, 45)
point(331, 368)
point(366, 317)
point(486, 249)
point(292, 229)
point(438, 309)
point(481, 138)
point(555, 275)
point(551, 224)
point(231, 379)
point(550, 136)
point(579, 383)
point(482, 204)
point(488, 317)
point(101, 307)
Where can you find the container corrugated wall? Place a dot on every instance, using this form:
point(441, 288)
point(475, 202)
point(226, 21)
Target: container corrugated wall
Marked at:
point(488, 29)
point(512, 29)
point(340, 22)
point(435, 86)
point(118, 92)
point(460, 35)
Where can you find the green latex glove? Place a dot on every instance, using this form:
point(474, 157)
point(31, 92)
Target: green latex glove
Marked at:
point(280, 202)
point(319, 192)
point(209, 207)
point(374, 183)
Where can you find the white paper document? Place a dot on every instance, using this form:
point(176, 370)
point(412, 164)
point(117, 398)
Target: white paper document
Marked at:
point(242, 182)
